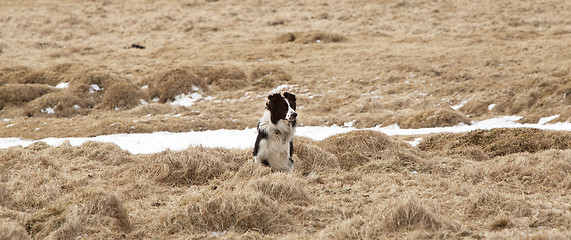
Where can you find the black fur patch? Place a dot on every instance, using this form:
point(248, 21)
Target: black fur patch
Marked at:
point(261, 135)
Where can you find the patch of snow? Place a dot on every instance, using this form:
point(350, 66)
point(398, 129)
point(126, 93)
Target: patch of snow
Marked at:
point(155, 99)
point(186, 99)
point(6, 119)
point(282, 87)
point(491, 107)
point(349, 124)
point(48, 110)
point(415, 142)
point(94, 88)
point(458, 106)
point(10, 125)
point(145, 87)
point(76, 106)
point(62, 85)
point(143, 102)
point(195, 88)
point(545, 120)
point(210, 98)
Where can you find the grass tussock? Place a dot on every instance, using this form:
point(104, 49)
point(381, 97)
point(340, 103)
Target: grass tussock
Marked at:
point(90, 213)
point(443, 117)
point(17, 94)
point(195, 166)
point(40, 77)
point(358, 147)
point(222, 77)
point(123, 95)
point(13, 74)
point(283, 188)
point(549, 168)
point(402, 215)
point(311, 37)
point(498, 142)
point(168, 84)
point(12, 230)
point(64, 103)
point(409, 213)
point(310, 158)
point(239, 211)
point(268, 76)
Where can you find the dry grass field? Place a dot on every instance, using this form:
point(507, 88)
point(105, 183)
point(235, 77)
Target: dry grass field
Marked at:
point(407, 62)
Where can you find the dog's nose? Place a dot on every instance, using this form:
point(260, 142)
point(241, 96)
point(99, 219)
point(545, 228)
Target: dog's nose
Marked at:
point(294, 115)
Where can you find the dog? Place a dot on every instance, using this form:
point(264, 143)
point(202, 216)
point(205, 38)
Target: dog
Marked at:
point(276, 130)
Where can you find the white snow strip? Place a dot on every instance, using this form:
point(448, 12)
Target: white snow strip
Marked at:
point(491, 106)
point(62, 85)
point(144, 143)
point(545, 120)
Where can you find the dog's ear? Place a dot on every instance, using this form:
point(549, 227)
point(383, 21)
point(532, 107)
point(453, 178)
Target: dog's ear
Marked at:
point(291, 98)
point(271, 98)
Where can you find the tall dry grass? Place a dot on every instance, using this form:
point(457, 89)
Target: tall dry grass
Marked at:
point(100, 191)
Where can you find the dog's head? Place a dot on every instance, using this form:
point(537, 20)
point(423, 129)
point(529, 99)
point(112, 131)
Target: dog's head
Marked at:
point(282, 107)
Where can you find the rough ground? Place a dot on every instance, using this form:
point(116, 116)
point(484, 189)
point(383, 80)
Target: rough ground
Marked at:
point(371, 62)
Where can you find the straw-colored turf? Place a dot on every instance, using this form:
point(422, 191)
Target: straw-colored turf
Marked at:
point(368, 63)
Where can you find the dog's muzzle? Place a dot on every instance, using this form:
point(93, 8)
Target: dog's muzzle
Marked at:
point(292, 117)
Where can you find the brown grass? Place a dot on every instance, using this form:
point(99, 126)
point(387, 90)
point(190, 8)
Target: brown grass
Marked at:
point(282, 188)
point(171, 83)
point(498, 142)
point(17, 94)
point(65, 103)
point(312, 159)
point(12, 230)
point(13, 74)
point(408, 214)
point(268, 76)
point(122, 95)
point(358, 147)
point(311, 37)
point(103, 191)
point(222, 77)
point(240, 211)
point(195, 166)
point(371, 62)
point(435, 118)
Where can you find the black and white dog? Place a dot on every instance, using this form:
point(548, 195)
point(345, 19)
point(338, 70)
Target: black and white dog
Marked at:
point(276, 129)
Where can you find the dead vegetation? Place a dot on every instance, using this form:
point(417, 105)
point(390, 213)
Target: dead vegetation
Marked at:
point(497, 142)
point(311, 37)
point(366, 63)
point(123, 95)
point(380, 188)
